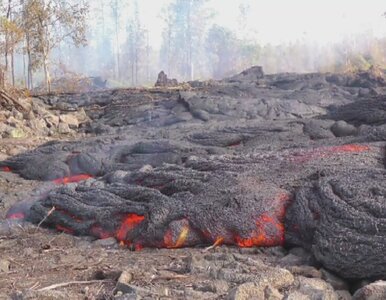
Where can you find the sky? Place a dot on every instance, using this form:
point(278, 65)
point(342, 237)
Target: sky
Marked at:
point(284, 21)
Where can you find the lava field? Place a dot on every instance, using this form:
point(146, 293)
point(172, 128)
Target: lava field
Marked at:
point(253, 161)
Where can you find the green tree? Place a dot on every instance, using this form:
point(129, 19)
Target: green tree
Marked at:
point(46, 24)
point(11, 34)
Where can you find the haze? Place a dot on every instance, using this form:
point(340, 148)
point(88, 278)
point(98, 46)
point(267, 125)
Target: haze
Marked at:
point(130, 41)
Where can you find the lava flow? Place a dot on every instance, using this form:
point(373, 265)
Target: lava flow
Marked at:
point(323, 152)
point(72, 179)
point(5, 169)
point(129, 223)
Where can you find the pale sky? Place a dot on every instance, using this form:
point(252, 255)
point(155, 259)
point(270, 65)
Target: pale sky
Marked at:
point(278, 21)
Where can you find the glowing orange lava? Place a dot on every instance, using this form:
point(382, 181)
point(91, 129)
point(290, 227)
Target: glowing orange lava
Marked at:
point(16, 216)
point(180, 242)
point(129, 223)
point(72, 179)
point(269, 232)
point(350, 148)
point(308, 155)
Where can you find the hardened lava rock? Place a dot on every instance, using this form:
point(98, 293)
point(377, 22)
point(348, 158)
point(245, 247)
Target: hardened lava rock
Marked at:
point(341, 218)
point(170, 207)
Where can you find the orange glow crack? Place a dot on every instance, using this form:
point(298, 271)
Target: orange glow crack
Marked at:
point(72, 179)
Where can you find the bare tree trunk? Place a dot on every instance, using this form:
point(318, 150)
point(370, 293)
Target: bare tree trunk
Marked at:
point(136, 59)
point(7, 37)
point(147, 57)
point(132, 71)
point(169, 48)
point(117, 38)
point(47, 73)
point(29, 71)
point(25, 73)
point(190, 61)
point(13, 67)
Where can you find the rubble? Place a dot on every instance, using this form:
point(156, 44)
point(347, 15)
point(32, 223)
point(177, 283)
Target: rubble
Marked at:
point(375, 290)
point(35, 118)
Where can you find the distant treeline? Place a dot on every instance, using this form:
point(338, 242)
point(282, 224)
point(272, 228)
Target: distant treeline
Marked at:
point(43, 40)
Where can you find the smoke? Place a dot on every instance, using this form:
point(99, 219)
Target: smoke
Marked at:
point(130, 42)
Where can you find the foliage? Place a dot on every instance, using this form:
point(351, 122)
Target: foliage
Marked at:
point(38, 36)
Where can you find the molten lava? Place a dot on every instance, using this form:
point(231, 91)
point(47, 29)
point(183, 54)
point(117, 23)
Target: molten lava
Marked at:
point(72, 179)
point(129, 223)
point(5, 169)
point(16, 216)
point(305, 156)
point(270, 230)
point(168, 241)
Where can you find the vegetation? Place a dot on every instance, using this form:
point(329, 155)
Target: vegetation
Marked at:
point(40, 39)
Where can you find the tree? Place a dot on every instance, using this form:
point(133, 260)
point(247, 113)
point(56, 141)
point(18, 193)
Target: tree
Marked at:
point(221, 46)
point(46, 24)
point(184, 35)
point(136, 44)
point(11, 34)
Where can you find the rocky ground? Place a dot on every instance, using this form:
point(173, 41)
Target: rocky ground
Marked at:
point(229, 147)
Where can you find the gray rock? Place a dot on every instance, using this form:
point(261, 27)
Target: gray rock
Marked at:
point(306, 271)
point(164, 81)
point(51, 120)
point(129, 296)
point(316, 289)
point(296, 295)
point(336, 282)
point(201, 114)
point(110, 243)
point(343, 295)
point(64, 128)
point(70, 119)
point(39, 124)
point(252, 74)
point(123, 284)
point(265, 283)
point(220, 286)
point(215, 286)
point(193, 294)
point(246, 291)
point(29, 115)
point(251, 290)
point(341, 128)
point(373, 291)
point(12, 121)
point(294, 260)
point(18, 115)
point(5, 266)
point(318, 129)
point(272, 294)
